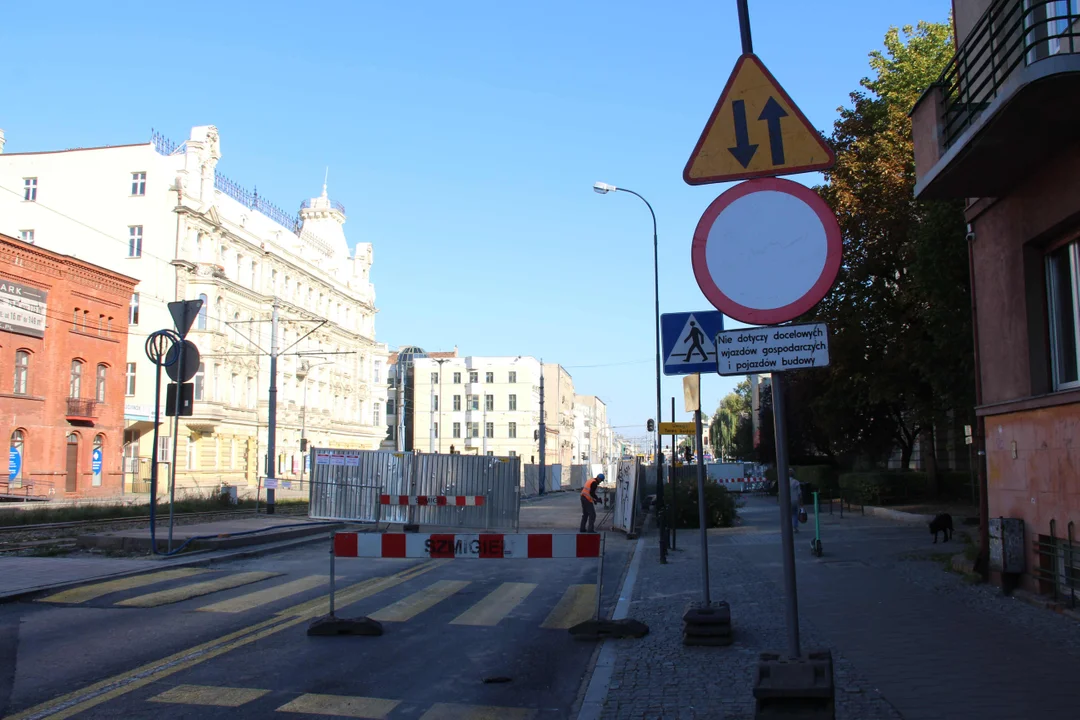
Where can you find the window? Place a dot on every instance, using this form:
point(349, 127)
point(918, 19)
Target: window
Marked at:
point(216, 380)
point(489, 430)
point(133, 309)
point(474, 376)
point(513, 402)
point(234, 390)
point(434, 378)
point(489, 377)
point(376, 417)
point(200, 381)
point(75, 386)
point(435, 428)
point(513, 376)
point(457, 403)
point(251, 393)
point(1063, 289)
point(474, 429)
point(254, 275)
point(129, 380)
point(30, 189)
point(190, 451)
point(22, 372)
point(27, 236)
point(138, 183)
point(512, 453)
point(457, 378)
point(134, 241)
point(434, 402)
point(513, 430)
point(239, 263)
point(164, 449)
point(377, 373)
point(489, 402)
point(474, 402)
point(457, 429)
point(18, 447)
point(390, 407)
point(200, 319)
point(99, 385)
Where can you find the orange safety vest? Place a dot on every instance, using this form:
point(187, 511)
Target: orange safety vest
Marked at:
point(585, 491)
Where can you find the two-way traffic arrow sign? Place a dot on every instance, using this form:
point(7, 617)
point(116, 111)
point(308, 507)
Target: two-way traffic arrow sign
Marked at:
point(754, 111)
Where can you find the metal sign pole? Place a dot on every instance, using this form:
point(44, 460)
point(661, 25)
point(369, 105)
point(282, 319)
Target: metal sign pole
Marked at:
point(787, 535)
point(154, 458)
point(599, 576)
point(702, 514)
point(674, 488)
point(181, 352)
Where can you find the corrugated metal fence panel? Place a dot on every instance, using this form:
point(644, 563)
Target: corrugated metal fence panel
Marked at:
point(346, 484)
point(494, 478)
point(577, 476)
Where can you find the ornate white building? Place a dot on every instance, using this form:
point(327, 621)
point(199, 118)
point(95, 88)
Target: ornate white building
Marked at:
point(162, 213)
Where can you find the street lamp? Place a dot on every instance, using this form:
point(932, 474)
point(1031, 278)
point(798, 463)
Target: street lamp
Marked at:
point(301, 375)
point(439, 432)
point(604, 189)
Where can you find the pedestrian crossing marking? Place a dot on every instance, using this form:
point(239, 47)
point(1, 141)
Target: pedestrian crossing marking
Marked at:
point(418, 602)
point(453, 711)
point(208, 695)
point(578, 604)
point(360, 591)
point(175, 595)
point(96, 590)
point(341, 706)
point(497, 605)
point(262, 597)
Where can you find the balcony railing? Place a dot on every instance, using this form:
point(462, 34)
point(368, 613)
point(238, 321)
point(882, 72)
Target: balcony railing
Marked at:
point(306, 205)
point(1011, 33)
point(81, 408)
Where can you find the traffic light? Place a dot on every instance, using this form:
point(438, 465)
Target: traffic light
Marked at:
point(688, 454)
point(650, 426)
point(303, 445)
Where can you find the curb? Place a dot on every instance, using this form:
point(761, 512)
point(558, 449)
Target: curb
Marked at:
point(256, 551)
point(223, 541)
point(898, 515)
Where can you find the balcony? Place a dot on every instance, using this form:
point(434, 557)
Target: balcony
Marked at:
point(1006, 102)
point(81, 411)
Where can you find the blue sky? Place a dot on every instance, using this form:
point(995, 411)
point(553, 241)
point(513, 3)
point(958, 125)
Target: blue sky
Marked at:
point(463, 138)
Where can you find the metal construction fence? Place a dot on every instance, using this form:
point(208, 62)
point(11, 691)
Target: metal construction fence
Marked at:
point(347, 485)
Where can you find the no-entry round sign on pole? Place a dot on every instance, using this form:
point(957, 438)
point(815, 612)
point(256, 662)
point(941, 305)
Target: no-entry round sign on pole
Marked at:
point(766, 251)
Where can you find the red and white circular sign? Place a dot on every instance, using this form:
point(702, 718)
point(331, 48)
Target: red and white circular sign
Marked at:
point(766, 251)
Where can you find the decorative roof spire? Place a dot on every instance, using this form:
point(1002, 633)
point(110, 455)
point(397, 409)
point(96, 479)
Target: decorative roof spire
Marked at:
point(325, 178)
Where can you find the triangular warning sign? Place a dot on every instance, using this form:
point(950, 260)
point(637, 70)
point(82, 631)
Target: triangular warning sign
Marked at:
point(184, 313)
point(755, 130)
point(693, 345)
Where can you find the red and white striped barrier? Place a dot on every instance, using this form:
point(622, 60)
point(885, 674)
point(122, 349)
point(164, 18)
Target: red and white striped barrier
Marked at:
point(438, 500)
point(739, 480)
point(482, 546)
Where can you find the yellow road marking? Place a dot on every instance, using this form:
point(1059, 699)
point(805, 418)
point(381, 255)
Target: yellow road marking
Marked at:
point(111, 688)
point(497, 605)
point(261, 597)
point(418, 602)
point(577, 605)
point(452, 711)
point(91, 592)
point(208, 695)
point(363, 590)
point(341, 705)
point(175, 595)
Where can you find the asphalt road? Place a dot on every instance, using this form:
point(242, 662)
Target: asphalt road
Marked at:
point(230, 641)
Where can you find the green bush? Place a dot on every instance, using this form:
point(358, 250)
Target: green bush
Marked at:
point(897, 487)
point(719, 505)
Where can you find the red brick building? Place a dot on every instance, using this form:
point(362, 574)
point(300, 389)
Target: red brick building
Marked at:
point(63, 349)
point(999, 130)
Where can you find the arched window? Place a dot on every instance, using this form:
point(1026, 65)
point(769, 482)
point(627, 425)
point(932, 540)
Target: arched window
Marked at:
point(200, 322)
point(75, 387)
point(18, 455)
point(71, 475)
point(99, 387)
point(22, 372)
point(219, 315)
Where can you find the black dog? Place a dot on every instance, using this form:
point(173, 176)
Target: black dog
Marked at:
point(942, 524)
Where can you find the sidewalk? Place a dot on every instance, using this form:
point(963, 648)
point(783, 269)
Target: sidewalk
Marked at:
point(908, 639)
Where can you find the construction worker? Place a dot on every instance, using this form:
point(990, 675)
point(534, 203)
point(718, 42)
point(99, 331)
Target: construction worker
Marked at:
point(589, 499)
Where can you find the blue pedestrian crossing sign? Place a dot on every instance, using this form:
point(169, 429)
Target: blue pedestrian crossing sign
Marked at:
point(688, 341)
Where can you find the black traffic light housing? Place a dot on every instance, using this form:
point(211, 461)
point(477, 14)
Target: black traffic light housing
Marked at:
point(650, 426)
point(688, 454)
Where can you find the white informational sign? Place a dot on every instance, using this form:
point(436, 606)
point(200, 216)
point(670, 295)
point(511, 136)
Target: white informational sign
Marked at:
point(772, 349)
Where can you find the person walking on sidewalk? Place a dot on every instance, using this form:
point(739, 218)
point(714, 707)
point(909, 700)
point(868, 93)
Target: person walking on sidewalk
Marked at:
point(796, 499)
point(589, 499)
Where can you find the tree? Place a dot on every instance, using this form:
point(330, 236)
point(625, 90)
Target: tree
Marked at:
point(731, 428)
point(899, 314)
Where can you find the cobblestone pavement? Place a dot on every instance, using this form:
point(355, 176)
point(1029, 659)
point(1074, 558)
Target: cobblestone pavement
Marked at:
point(909, 640)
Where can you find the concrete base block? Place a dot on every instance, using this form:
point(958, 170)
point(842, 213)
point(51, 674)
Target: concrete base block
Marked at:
point(795, 687)
point(329, 625)
point(717, 612)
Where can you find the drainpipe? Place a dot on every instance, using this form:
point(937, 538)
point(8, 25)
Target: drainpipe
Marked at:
point(983, 565)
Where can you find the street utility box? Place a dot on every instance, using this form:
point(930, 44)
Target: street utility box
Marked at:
point(1007, 545)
